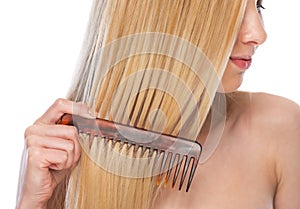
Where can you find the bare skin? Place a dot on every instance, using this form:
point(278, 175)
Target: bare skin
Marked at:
point(52, 151)
point(256, 165)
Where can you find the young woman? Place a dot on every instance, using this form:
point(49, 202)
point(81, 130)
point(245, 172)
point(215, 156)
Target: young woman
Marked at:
point(256, 164)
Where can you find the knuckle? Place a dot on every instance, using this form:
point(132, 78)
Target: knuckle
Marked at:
point(29, 141)
point(34, 153)
point(73, 132)
point(29, 131)
point(70, 146)
point(60, 102)
point(64, 158)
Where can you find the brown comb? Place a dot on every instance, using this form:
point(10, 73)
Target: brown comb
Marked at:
point(176, 150)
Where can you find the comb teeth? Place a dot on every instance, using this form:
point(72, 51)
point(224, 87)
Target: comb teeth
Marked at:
point(174, 151)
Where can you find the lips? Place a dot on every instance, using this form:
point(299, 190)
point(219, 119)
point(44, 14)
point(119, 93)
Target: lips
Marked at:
point(241, 62)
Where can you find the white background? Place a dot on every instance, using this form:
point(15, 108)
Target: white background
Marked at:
point(39, 47)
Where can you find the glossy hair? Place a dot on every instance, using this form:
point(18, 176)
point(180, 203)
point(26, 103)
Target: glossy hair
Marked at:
point(151, 64)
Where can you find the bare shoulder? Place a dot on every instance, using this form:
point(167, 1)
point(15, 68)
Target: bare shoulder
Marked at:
point(274, 124)
point(278, 120)
point(275, 114)
point(273, 103)
point(267, 114)
point(269, 118)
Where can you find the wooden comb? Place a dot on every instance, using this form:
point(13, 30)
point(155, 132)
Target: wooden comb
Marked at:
point(176, 151)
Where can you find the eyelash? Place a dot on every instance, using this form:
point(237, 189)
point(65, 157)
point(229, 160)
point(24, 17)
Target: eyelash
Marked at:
point(259, 6)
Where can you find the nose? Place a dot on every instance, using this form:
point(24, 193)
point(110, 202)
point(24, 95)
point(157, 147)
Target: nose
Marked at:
point(252, 29)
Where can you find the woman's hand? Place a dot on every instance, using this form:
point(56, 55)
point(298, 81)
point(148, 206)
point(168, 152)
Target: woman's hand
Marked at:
point(51, 150)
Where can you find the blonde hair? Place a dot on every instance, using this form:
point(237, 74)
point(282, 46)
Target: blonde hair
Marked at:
point(151, 64)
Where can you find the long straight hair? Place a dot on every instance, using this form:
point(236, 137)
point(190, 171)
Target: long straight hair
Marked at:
point(151, 64)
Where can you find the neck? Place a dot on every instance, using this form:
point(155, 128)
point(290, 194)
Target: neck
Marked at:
point(214, 125)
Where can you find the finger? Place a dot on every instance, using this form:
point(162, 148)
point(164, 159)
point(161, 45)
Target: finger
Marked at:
point(60, 107)
point(55, 111)
point(61, 131)
point(57, 132)
point(53, 143)
point(58, 159)
point(43, 158)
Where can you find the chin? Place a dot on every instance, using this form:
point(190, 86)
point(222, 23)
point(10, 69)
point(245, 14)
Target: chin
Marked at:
point(230, 86)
